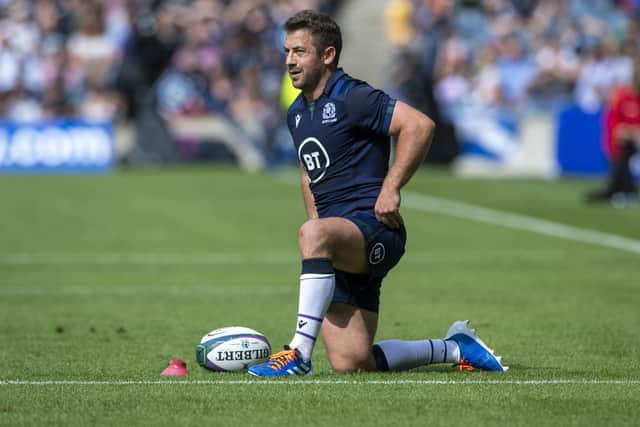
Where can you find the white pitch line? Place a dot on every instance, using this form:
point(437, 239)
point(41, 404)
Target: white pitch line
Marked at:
point(477, 213)
point(325, 382)
point(516, 221)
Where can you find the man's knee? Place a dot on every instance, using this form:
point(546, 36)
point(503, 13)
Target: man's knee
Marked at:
point(313, 238)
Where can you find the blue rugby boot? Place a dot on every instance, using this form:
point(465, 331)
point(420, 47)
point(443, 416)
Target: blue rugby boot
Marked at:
point(285, 363)
point(474, 354)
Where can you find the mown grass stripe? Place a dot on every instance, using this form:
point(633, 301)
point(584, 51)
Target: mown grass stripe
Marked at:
point(144, 258)
point(142, 289)
point(324, 382)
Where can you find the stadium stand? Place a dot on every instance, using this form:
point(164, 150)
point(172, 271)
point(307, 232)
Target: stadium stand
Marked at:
point(193, 79)
point(485, 67)
point(154, 68)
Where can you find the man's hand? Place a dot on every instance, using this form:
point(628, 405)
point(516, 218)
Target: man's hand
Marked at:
point(387, 208)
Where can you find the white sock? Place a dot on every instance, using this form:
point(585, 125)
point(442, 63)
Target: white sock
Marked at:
point(402, 355)
point(317, 283)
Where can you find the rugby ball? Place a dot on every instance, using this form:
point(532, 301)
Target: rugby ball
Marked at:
point(233, 348)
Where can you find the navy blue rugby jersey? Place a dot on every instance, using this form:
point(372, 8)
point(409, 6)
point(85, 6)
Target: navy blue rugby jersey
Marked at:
point(342, 142)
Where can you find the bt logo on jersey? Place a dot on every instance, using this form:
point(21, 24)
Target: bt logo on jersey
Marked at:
point(315, 159)
point(312, 160)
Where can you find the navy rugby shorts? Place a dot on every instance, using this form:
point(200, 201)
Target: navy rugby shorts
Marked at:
point(384, 248)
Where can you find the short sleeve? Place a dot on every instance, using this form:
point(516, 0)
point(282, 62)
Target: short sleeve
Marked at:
point(369, 108)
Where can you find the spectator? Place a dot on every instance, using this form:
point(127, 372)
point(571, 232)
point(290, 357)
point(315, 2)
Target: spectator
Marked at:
point(398, 22)
point(516, 69)
point(622, 139)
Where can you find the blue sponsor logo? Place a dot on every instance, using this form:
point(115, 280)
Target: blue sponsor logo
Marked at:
point(61, 146)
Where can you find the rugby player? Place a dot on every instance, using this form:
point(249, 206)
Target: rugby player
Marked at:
point(354, 233)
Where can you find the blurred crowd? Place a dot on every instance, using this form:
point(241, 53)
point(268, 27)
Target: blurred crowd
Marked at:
point(59, 58)
point(513, 55)
point(117, 59)
point(477, 67)
point(458, 60)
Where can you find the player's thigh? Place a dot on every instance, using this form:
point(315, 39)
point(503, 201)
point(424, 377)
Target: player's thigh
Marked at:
point(343, 240)
point(348, 334)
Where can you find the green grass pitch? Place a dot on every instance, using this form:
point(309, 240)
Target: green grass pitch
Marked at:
point(104, 278)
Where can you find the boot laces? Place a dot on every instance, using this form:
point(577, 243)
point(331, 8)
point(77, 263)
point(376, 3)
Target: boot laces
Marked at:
point(278, 360)
point(464, 365)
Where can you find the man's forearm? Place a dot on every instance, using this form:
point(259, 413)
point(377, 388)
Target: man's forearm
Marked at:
point(411, 149)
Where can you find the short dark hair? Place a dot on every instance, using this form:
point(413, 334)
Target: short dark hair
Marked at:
point(324, 30)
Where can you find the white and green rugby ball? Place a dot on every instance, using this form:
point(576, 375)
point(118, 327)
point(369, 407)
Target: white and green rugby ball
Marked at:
point(233, 348)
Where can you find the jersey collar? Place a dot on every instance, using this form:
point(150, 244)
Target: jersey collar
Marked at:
point(333, 79)
point(337, 75)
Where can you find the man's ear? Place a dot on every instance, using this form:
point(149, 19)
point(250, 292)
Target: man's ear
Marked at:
point(329, 55)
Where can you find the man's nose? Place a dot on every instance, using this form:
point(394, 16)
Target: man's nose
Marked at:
point(289, 59)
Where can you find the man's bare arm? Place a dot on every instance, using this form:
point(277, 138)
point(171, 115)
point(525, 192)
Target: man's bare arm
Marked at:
point(414, 132)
